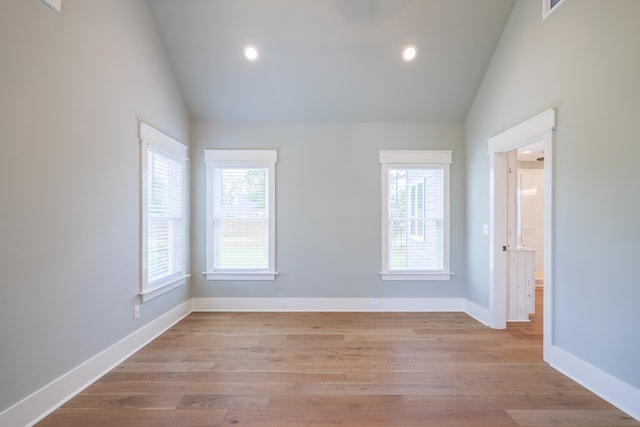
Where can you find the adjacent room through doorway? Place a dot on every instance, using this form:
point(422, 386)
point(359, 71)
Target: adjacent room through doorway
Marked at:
point(525, 232)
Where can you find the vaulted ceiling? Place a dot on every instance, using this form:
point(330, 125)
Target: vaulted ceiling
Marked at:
point(330, 60)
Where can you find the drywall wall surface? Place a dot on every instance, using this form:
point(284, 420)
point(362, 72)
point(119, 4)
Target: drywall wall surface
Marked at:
point(584, 61)
point(74, 87)
point(328, 207)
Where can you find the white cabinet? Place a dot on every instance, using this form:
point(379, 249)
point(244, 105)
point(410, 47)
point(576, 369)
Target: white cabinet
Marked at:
point(521, 298)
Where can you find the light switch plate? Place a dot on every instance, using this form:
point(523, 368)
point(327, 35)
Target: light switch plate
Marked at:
point(54, 4)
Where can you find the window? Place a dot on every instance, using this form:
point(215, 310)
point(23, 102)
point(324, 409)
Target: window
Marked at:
point(240, 214)
point(163, 164)
point(415, 215)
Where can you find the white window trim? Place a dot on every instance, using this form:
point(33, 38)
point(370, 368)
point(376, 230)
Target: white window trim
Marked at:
point(225, 157)
point(151, 136)
point(413, 158)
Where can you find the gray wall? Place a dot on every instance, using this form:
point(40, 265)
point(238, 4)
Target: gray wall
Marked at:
point(583, 60)
point(73, 88)
point(328, 207)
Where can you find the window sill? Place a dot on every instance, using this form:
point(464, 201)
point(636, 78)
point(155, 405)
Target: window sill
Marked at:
point(415, 276)
point(151, 293)
point(240, 275)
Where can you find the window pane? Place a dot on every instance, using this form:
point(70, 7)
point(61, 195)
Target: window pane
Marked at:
point(241, 218)
point(165, 207)
point(416, 227)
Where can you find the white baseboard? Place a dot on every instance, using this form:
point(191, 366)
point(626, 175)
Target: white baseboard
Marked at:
point(617, 392)
point(479, 313)
point(329, 304)
point(39, 404)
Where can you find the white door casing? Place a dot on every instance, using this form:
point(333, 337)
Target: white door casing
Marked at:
point(538, 128)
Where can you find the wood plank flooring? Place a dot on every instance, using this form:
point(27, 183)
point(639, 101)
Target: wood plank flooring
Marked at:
point(348, 369)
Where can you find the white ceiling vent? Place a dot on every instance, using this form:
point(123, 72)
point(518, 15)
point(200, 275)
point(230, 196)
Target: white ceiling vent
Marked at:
point(549, 6)
point(54, 4)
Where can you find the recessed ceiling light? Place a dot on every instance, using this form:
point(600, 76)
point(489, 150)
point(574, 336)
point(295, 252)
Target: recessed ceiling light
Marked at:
point(409, 53)
point(250, 53)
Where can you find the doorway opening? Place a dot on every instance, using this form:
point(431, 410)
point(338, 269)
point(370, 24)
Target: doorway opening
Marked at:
point(530, 206)
point(525, 232)
point(503, 229)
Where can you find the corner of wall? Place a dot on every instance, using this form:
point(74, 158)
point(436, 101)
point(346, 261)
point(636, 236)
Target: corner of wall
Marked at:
point(613, 390)
point(41, 403)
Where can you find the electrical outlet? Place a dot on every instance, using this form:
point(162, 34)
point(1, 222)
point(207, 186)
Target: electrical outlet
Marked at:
point(375, 305)
point(136, 311)
point(281, 304)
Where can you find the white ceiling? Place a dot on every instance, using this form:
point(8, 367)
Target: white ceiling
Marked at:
point(330, 60)
point(531, 152)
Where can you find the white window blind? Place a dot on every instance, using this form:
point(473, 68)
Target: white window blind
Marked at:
point(415, 215)
point(163, 212)
point(165, 217)
point(240, 214)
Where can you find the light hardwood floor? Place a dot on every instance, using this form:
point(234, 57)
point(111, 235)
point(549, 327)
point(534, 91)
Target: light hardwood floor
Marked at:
point(349, 369)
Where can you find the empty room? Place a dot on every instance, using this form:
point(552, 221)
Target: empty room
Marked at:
point(319, 212)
